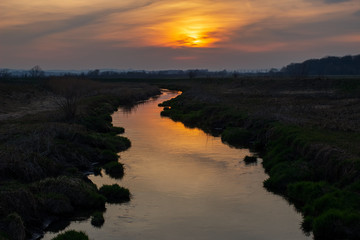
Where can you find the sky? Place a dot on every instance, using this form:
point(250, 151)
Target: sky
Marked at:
point(172, 34)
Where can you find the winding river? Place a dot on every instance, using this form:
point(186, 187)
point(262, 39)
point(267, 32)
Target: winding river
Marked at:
point(187, 185)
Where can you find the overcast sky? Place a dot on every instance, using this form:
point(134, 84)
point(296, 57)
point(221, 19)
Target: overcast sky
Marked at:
point(171, 34)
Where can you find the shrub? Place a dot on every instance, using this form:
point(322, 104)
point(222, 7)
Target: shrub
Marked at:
point(114, 169)
point(250, 159)
point(81, 194)
point(97, 219)
point(56, 203)
point(236, 136)
point(108, 156)
point(15, 226)
point(285, 173)
point(305, 192)
point(117, 130)
point(71, 235)
point(115, 194)
point(97, 171)
point(335, 224)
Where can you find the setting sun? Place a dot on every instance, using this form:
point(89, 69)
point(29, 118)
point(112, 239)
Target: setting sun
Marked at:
point(193, 39)
point(199, 32)
point(186, 34)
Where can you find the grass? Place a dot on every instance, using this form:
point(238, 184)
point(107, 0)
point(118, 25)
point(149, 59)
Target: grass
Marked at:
point(305, 131)
point(236, 136)
point(114, 169)
point(44, 155)
point(115, 194)
point(97, 219)
point(71, 235)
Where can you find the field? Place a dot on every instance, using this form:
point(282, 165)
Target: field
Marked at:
point(306, 130)
point(52, 133)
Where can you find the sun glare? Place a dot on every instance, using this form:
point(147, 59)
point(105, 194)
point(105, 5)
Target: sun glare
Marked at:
point(197, 32)
point(194, 36)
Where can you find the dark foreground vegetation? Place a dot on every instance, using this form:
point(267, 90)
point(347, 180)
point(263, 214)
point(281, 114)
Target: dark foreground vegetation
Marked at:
point(73, 235)
point(52, 133)
point(306, 130)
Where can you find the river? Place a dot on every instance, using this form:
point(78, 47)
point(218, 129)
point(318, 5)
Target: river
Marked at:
point(187, 185)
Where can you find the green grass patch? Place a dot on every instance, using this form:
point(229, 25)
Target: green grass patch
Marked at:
point(114, 169)
point(115, 194)
point(97, 219)
point(236, 136)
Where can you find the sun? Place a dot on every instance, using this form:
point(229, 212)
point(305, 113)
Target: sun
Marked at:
point(191, 40)
point(195, 32)
point(193, 37)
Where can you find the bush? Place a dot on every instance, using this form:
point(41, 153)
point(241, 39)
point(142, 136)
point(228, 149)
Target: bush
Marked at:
point(97, 171)
point(117, 130)
point(305, 192)
point(335, 224)
point(56, 203)
point(97, 219)
point(249, 160)
point(115, 194)
point(236, 136)
point(285, 173)
point(15, 226)
point(71, 235)
point(80, 193)
point(114, 169)
point(108, 156)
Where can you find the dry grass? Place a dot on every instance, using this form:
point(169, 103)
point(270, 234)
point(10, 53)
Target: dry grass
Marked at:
point(331, 106)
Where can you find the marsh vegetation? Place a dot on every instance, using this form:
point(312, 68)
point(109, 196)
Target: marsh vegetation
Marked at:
point(46, 153)
point(307, 132)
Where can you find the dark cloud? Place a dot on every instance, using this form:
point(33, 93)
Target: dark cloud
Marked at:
point(357, 13)
point(22, 34)
point(273, 30)
point(336, 1)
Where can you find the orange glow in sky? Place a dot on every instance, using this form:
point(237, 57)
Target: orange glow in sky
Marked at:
point(188, 32)
point(148, 34)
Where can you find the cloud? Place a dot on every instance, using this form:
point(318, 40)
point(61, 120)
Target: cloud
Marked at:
point(21, 34)
point(357, 13)
point(336, 1)
point(274, 33)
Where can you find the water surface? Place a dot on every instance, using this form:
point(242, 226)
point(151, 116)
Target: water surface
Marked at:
point(188, 185)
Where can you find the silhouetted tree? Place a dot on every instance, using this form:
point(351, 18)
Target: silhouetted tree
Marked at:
point(5, 74)
point(192, 73)
point(36, 72)
point(69, 90)
point(347, 65)
point(94, 73)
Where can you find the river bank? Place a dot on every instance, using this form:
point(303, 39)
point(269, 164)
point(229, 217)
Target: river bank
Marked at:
point(310, 151)
point(45, 156)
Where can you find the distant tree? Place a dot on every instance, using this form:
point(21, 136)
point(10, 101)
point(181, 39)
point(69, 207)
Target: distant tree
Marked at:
point(5, 74)
point(235, 74)
point(94, 73)
point(192, 73)
point(36, 72)
point(347, 65)
point(223, 73)
point(69, 91)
